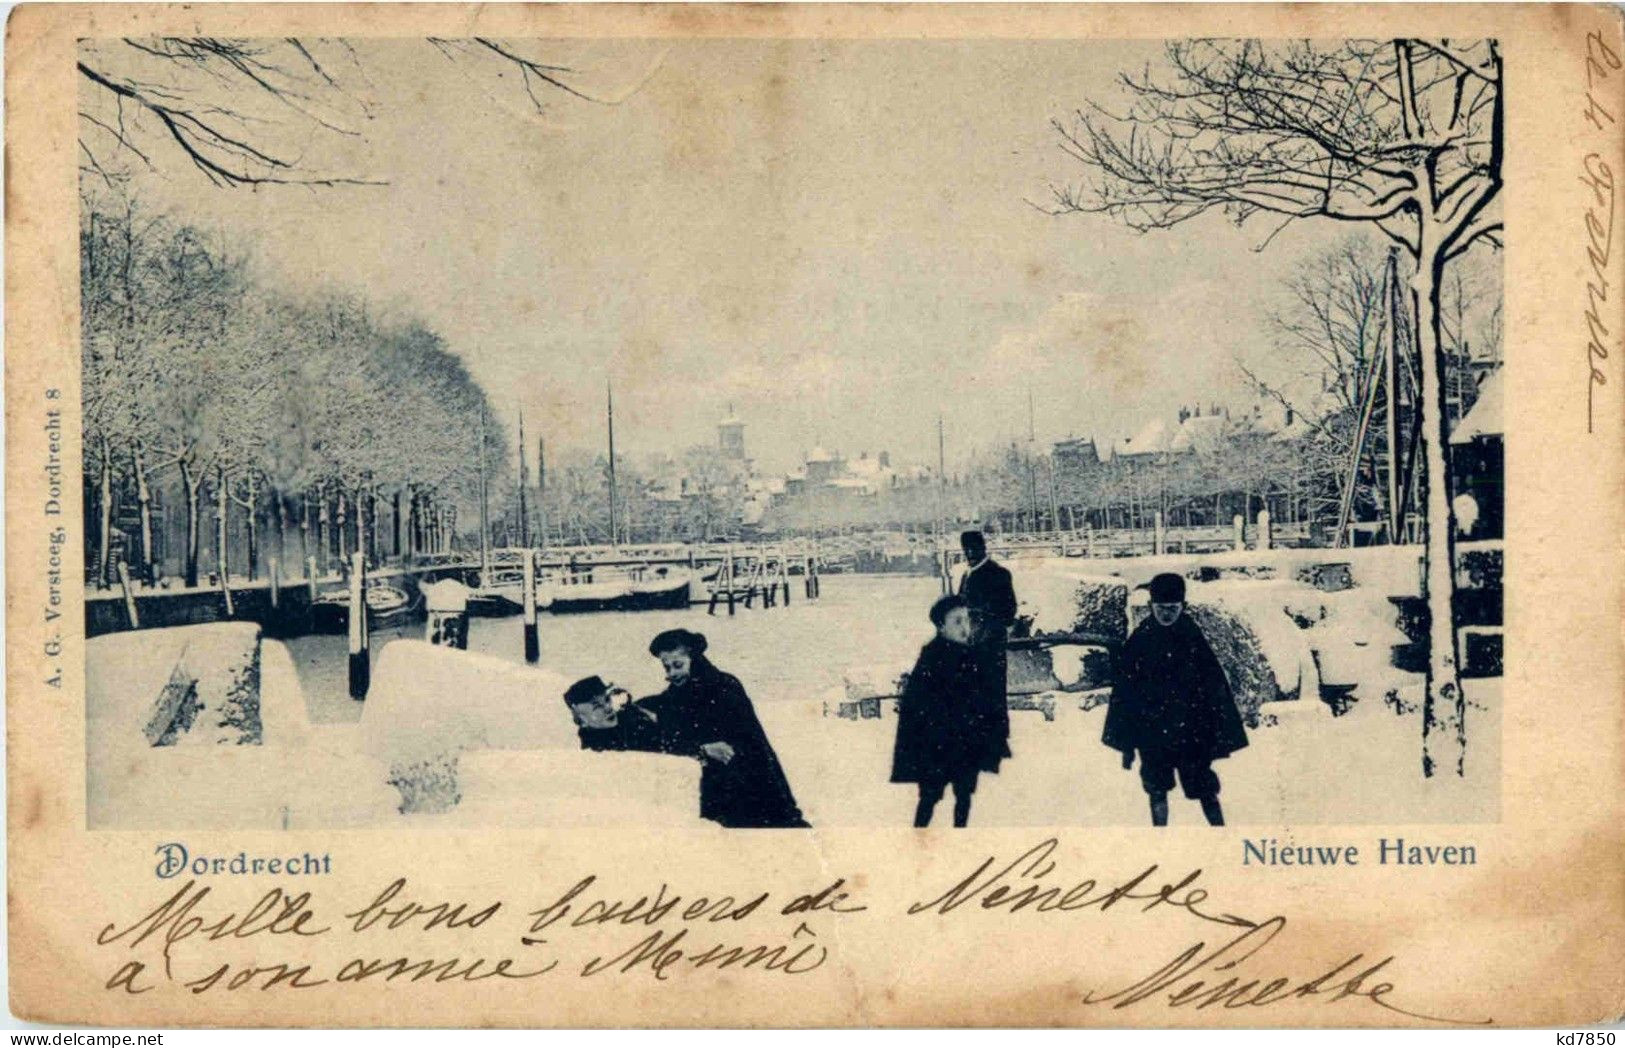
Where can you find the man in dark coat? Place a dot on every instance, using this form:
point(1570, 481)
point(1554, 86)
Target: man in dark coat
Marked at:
point(991, 597)
point(1171, 702)
point(706, 713)
point(940, 727)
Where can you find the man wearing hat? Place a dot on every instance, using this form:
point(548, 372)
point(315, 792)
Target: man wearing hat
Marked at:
point(1171, 702)
point(604, 726)
point(988, 592)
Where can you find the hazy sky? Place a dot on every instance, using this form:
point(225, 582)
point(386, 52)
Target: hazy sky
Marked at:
point(835, 237)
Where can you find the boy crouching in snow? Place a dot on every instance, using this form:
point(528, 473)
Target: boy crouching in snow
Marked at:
point(1171, 702)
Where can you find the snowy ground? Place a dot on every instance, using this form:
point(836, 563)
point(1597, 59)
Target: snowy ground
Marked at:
point(319, 767)
point(1308, 768)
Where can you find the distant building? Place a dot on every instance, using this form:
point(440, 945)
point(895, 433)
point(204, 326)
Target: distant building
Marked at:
point(731, 437)
point(823, 466)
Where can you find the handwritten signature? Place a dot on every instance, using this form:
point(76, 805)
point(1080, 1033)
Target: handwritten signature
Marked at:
point(1023, 883)
point(1600, 63)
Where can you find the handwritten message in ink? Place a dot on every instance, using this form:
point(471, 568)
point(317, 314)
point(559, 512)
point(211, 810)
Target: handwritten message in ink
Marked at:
point(191, 939)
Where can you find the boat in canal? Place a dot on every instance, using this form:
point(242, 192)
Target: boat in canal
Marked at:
point(661, 591)
point(386, 606)
point(589, 591)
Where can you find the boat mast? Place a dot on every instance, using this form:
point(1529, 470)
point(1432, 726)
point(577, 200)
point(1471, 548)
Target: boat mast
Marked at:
point(614, 533)
point(1032, 473)
point(524, 521)
point(541, 488)
point(485, 516)
point(941, 524)
point(942, 476)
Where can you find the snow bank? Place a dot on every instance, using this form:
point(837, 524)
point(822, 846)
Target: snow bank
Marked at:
point(1392, 570)
point(185, 685)
point(297, 776)
point(1281, 620)
point(576, 789)
point(434, 713)
point(1054, 598)
point(427, 701)
point(1355, 638)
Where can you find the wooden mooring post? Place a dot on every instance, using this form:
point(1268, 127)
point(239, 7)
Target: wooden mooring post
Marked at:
point(533, 645)
point(129, 596)
point(360, 666)
point(225, 591)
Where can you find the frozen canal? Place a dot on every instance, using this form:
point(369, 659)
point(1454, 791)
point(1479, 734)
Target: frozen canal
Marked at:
point(781, 653)
point(1303, 767)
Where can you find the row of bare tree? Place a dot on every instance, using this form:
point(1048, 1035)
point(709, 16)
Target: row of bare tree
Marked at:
point(203, 386)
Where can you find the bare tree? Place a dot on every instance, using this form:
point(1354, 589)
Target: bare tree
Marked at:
point(1403, 135)
point(1327, 351)
point(255, 112)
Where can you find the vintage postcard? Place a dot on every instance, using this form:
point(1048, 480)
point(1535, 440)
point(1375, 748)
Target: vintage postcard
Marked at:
point(815, 516)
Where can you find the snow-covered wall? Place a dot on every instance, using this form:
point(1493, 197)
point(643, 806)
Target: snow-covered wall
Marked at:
point(292, 775)
point(434, 717)
point(181, 686)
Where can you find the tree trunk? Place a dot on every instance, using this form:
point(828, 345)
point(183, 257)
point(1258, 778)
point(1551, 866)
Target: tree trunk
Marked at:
point(189, 481)
point(143, 494)
point(253, 529)
point(395, 522)
point(222, 499)
point(1444, 706)
point(342, 521)
point(104, 495)
point(414, 523)
point(304, 528)
point(322, 541)
point(363, 534)
point(281, 526)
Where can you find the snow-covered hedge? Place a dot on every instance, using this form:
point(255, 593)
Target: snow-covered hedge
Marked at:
point(1265, 654)
point(1054, 599)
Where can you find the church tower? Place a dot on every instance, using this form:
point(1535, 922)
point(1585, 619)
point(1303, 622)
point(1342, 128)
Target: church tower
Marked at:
point(731, 437)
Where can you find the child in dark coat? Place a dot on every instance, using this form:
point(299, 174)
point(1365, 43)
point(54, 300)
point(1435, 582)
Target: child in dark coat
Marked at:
point(1171, 702)
point(942, 733)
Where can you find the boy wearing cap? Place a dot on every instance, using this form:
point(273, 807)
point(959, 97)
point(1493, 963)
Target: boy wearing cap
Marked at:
point(604, 726)
point(1171, 702)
